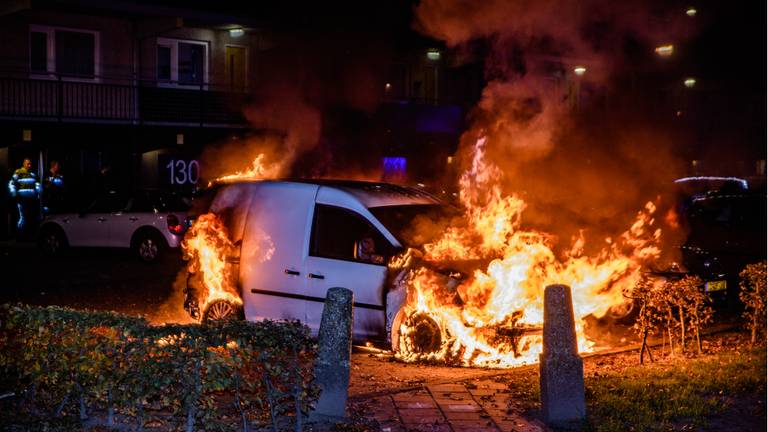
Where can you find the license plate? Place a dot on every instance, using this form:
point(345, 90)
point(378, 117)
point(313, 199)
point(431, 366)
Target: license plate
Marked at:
point(715, 286)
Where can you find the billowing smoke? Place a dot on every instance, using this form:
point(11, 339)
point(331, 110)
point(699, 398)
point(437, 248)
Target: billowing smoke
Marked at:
point(575, 165)
point(285, 125)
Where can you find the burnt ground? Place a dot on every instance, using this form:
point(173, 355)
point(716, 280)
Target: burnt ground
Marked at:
point(115, 280)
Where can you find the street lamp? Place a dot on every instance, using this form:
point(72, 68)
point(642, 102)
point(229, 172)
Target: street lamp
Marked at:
point(579, 70)
point(665, 50)
point(690, 82)
point(691, 11)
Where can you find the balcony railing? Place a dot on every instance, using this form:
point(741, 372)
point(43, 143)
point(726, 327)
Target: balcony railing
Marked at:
point(108, 100)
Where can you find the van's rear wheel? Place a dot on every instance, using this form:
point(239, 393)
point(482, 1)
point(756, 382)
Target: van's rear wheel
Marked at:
point(417, 334)
point(222, 310)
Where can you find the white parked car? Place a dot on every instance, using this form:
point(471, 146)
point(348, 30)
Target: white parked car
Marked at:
point(321, 234)
point(148, 223)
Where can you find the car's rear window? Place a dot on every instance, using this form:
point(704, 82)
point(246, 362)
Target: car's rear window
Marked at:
point(155, 202)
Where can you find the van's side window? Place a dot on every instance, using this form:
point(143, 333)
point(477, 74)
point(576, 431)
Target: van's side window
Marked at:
point(339, 233)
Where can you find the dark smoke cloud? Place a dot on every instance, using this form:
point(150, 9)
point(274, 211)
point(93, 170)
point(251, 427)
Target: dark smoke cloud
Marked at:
point(586, 168)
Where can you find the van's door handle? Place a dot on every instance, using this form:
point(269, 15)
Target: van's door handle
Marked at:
point(133, 218)
point(101, 219)
point(316, 276)
point(291, 272)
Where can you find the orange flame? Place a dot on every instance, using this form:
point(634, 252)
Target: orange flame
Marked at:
point(509, 292)
point(258, 170)
point(207, 246)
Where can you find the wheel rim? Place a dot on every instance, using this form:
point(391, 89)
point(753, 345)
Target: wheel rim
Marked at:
point(219, 311)
point(148, 249)
point(52, 243)
point(425, 336)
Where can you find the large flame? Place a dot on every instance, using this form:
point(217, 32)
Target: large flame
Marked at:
point(508, 294)
point(209, 249)
point(207, 246)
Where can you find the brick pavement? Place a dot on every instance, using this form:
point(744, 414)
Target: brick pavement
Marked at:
point(481, 405)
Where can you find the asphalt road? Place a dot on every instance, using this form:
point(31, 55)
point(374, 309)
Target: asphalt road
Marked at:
point(103, 279)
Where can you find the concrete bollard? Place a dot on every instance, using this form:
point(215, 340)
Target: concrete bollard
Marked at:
point(561, 369)
point(333, 354)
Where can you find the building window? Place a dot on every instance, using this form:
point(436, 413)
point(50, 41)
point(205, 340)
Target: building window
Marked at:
point(163, 63)
point(72, 53)
point(75, 53)
point(38, 52)
point(182, 62)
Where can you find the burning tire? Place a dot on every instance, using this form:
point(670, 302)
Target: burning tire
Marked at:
point(418, 334)
point(625, 313)
point(222, 310)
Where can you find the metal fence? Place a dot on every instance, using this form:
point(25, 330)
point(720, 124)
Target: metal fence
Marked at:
point(110, 100)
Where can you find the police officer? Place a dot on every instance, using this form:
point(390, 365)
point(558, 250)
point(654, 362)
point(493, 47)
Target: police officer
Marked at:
point(25, 190)
point(53, 189)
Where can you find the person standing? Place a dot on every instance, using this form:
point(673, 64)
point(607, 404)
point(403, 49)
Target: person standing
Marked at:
point(53, 189)
point(25, 190)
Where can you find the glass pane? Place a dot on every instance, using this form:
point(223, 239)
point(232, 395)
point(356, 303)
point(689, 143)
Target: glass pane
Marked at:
point(163, 63)
point(341, 234)
point(191, 58)
point(75, 53)
point(38, 52)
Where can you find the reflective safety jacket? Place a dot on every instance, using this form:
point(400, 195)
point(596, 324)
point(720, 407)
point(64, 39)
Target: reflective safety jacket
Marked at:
point(24, 184)
point(54, 182)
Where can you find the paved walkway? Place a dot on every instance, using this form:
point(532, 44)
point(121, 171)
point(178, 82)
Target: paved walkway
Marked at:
point(482, 405)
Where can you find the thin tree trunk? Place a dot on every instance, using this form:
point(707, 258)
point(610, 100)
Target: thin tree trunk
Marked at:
point(60, 408)
point(754, 328)
point(110, 408)
point(297, 391)
point(81, 400)
point(698, 333)
point(196, 394)
point(682, 329)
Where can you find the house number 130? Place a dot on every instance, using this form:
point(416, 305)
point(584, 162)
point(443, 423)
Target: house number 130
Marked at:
point(182, 172)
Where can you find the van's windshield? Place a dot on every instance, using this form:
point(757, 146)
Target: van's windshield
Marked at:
point(415, 225)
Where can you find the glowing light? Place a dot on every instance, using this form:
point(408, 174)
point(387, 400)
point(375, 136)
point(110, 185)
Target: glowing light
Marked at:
point(433, 55)
point(665, 50)
point(387, 86)
point(691, 12)
point(744, 183)
point(579, 70)
point(690, 82)
point(236, 32)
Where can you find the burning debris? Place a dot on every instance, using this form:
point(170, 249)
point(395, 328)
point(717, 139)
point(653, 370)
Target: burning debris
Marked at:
point(492, 318)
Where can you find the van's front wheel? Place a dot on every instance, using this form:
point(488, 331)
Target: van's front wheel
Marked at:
point(416, 335)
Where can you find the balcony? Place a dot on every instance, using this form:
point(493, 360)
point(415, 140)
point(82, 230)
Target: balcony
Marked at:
point(119, 101)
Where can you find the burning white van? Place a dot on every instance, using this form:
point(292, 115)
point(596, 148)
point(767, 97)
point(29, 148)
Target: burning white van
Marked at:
point(288, 242)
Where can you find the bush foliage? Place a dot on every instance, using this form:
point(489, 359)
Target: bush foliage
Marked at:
point(753, 280)
point(119, 371)
point(671, 307)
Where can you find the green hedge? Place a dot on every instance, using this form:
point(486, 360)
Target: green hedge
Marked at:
point(117, 370)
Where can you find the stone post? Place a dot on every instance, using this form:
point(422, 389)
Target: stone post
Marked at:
point(333, 354)
point(561, 369)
